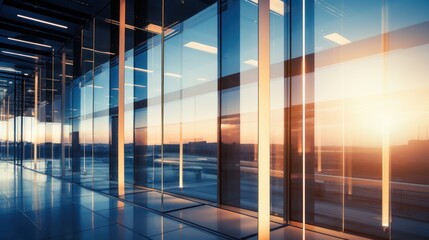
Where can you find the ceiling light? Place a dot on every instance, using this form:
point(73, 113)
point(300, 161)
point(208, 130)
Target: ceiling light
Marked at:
point(25, 74)
point(156, 29)
point(337, 38)
point(29, 42)
point(201, 47)
point(135, 85)
point(173, 75)
point(19, 54)
point(276, 6)
point(42, 21)
point(201, 79)
point(67, 76)
point(97, 51)
point(153, 28)
point(251, 62)
point(138, 69)
point(8, 69)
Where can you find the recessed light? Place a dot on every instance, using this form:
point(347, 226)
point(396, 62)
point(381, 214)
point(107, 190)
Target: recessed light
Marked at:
point(153, 28)
point(251, 62)
point(20, 54)
point(138, 69)
point(97, 51)
point(173, 75)
point(337, 38)
point(42, 21)
point(8, 69)
point(67, 76)
point(29, 42)
point(135, 85)
point(201, 47)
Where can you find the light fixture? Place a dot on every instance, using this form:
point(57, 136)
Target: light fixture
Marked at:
point(42, 21)
point(201, 79)
point(67, 76)
point(173, 75)
point(138, 69)
point(135, 85)
point(201, 47)
point(337, 38)
point(97, 51)
point(152, 28)
point(25, 74)
point(276, 6)
point(8, 69)
point(251, 62)
point(156, 29)
point(29, 42)
point(20, 54)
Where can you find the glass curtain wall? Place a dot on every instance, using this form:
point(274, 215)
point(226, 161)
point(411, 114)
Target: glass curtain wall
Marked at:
point(348, 109)
point(358, 125)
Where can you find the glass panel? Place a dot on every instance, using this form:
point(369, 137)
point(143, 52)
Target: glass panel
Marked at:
point(238, 104)
point(345, 107)
point(279, 101)
point(191, 102)
point(101, 88)
point(407, 98)
point(142, 94)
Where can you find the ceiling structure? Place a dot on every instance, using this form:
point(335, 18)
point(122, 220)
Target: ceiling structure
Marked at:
point(30, 30)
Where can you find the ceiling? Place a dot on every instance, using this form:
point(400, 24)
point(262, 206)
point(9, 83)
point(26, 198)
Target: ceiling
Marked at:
point(25, 41)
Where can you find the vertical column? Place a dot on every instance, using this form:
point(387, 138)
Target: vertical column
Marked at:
point(63, 110)
point(36, 115)
point(303, 138)
point(7, 128)
point(162, 99)
point(385, 178)
point(264, 120)
point(121, 98)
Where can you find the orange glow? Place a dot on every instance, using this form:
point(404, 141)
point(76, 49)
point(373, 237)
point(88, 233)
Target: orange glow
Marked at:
point(121, 99)
point(36, 122)
point(264, 200)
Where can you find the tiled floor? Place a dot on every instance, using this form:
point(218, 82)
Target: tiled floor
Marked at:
point(36, 206)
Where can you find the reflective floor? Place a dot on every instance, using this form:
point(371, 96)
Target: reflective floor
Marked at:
point(36, 206)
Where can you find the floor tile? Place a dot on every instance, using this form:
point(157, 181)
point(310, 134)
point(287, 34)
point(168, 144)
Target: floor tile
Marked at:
point(16, 226)
point(187, 233)
point(141, 220)
point(97, 202)
point(294, 233)
point(66, 220)
point(223, 221)
point(154, 201)
point(112, 232)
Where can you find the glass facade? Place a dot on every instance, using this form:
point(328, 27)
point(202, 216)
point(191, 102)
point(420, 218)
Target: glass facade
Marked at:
point(348, 109)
